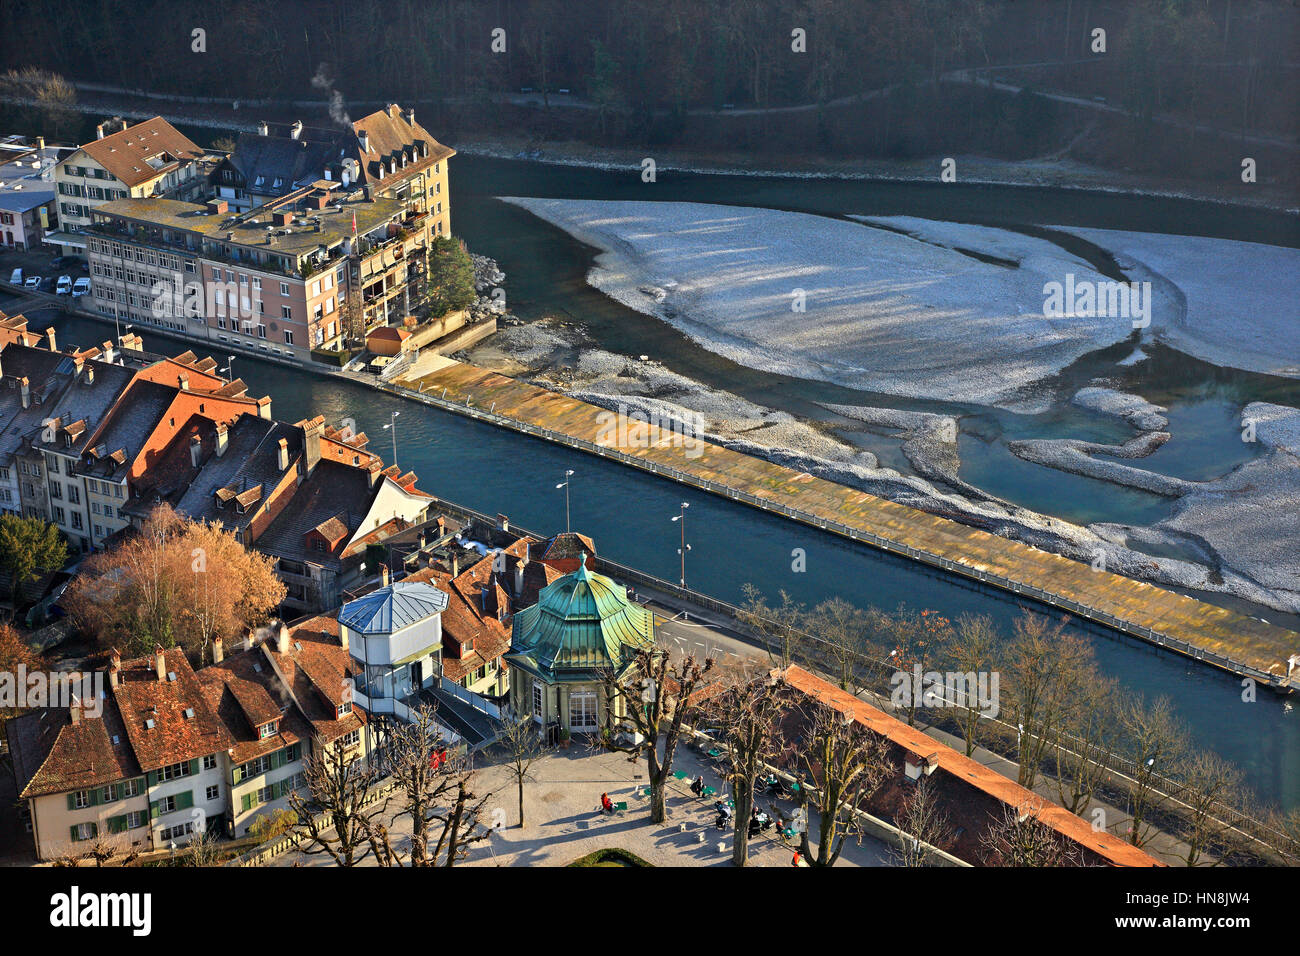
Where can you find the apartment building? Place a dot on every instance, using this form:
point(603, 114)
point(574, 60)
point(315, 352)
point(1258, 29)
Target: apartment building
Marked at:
point(387, 150)
point(174, 751)
point(148, 159)
point(274, 280)
point(27, 192)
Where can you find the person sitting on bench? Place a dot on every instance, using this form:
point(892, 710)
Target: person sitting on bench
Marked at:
point(606, 804)
point(697, 786)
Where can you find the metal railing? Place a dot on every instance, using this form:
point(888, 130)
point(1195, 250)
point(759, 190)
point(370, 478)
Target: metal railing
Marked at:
point(888, 545)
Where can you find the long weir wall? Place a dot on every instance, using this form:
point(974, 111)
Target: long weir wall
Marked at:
point(1234, 642)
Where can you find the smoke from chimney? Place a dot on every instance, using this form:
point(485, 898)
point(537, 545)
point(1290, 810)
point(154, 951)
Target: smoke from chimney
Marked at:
point(323, 81)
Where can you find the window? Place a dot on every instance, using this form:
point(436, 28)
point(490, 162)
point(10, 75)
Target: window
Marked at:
point(109, 794)
point(81, 799)
point(84, 831)
point(175, 771)
point(288, 337)
point(284, 288)
point(76, 520)
point(74, 494)
point(286, 312)
point(268, 730)
point(210, 762)
point(266, 794)
point(261, 331)
point(213, 792)
point(59, 516)
point(345, 708)
point(180, 830)
point(56, 491)
point(352, 739)
point(167, 804)
point(538, 705)
point(135, 819)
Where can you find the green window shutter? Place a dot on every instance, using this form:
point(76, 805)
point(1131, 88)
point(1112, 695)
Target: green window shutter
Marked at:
point(153, 810)
point(185, 800)
point(94, 798)
point(94, 829)
point(194, 767)
point(237, 775)
point(151, 779)
point(73, 831)
point(116, 824)
point(277, 760)
point(246, 801)
point(72, 801)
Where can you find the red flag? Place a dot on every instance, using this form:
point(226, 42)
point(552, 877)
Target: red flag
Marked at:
point(354, 223)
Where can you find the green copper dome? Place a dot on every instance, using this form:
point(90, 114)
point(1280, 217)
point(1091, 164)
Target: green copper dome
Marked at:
point(582, 626)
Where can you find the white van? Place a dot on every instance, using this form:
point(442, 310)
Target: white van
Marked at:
point(81, 287)
point(16, 277)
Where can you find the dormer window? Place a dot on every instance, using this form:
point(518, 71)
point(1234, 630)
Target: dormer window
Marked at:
point(345, 708)
point(269, 730)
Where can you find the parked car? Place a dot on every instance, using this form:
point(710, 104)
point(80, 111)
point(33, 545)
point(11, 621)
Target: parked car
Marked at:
point(16, 277)
point(33, 283)
point(64, 285)
point(81, 287)
point(58, 262)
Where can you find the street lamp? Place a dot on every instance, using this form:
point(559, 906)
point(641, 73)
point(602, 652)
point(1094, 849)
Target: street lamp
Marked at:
point(685, 547)
point(392, 423)
point(568, 474)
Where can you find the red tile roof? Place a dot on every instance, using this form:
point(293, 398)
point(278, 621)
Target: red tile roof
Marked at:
point(52, 754)
point(127, 153)
point(174, 737)
point(1074, 829)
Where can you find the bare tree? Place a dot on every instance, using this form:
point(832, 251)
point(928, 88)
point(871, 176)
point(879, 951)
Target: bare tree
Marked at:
point(420, 775)
point(845, 763)
point(777, 625)
point(971, 649)
point(923, 822)
point(1048, 668)
point(1021, 838)
point(841, 633)
point(920, 639)
point(1084, 757)
point(748, 715)
point(1210, 785)
point(657, 696)
point(1157, 745)
point(339, 788)
point(523, 745)
point(461, 821)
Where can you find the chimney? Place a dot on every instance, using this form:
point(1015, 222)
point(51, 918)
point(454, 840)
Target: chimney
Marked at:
point(263, 129)
point(455, 564)
point(49, 334)
point(364, 139)
point(114, 668)
point(196, 450)
point(26, 386)
point(74, 710)
point(183, 382)
point(311, 436)
point(343, 637)
point(423, 539)
point(218, 650)
point(282, 455)
point(519, 576)
point(384, 576)
point(410, 116)
point(503, 523)
point(248, 641)
point(99, 131)
point(40, 143)
point(160, 664)
point(88, 376)
point(282, 638)
point(222, 438)
point(295, 131)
